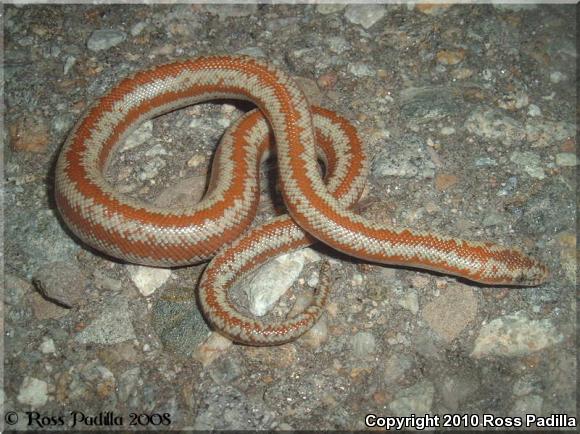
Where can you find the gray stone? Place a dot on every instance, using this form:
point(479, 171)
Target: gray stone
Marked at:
point(528, 162)
point(329, 8)
point(61, 282)
point(226, 408)
point(105, 39)
point(225, 370)
point(111, 327)
point(363, 344)
point(15, 289)
point(68, 64)
point(253, 52)
point(424, 104)
point(457, 389)
point(137, 28)
point(365, 15)
point(178, 322)
point(534, 111)
point(451, 312)
point(526, 385)
point(409, 300)
point(361, 70)
point(557, 77)
point(38, 237)
point(44, 309)
point(48, 347)
point(515, 335)
point(566, 159)
point(151, 168)
point(33, 392)
point(493, 125)
point(501, 5)
point(395, 368)
point(338, 44)
point(404, 159)
point(509, 188)
point(128, 381)
point(485, 162)
point(542, 134)
point(494, 219)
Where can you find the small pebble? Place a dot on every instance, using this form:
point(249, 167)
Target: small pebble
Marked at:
point(566, 159)
point(212, 348)
point(33, 392)
point(48, 347)
point(365, 15)
point(29, 134)
point(148, 279)
point(515, 335)
point(534, 111)
point(61, 282)
point(557, 77)
point(363, 344)
point(105, 39)
point(450, 57)
point(138, 28)
point(361, 70)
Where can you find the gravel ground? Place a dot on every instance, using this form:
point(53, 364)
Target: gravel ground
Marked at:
point(467, 115)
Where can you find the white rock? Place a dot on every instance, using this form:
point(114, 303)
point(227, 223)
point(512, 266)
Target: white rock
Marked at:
point(557, 77)
point(365, 15)
point(158, 149)
point(515, 335)
point(148, 279)
point(47, 347)
point(567, 159)
point(33, 392)
point(68, 64)
point(105, 39)
point(361, 70)
point(409, 301)
point(138, 28)
point(534, 110)
point(271, 281)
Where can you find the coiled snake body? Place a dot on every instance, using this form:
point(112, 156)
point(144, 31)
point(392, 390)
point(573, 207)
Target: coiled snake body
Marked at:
point(140, 233)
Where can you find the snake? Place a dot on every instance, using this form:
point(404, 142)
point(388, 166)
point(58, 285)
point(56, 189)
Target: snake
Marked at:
point(319, 204)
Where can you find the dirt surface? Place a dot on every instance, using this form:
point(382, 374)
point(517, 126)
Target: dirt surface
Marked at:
point(467, 113)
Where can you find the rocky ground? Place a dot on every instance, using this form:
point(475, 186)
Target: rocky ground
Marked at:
point(467, 114)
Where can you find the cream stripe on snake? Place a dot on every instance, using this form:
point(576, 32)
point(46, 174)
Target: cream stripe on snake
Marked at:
point(140, 233)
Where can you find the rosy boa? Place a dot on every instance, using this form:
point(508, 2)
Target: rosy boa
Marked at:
point(141, 233)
